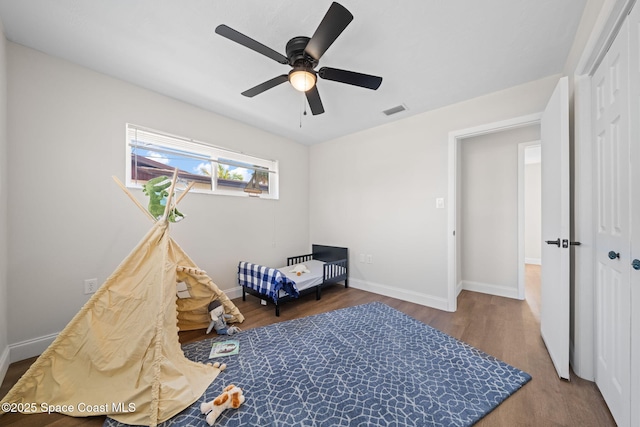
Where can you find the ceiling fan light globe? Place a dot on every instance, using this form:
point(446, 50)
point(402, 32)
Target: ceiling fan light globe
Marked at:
point(302, 80)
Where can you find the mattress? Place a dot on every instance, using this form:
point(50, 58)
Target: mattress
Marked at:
point(305, 280)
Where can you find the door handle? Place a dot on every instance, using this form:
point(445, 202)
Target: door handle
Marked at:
point(566, 243)
point(614, 255)
point(636, 264)
point(553, 242)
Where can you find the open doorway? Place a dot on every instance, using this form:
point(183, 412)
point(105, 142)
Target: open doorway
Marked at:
point(486, 251)
point(530, 218)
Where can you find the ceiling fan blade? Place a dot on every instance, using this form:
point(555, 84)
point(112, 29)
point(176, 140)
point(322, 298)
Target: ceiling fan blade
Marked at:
point(331, 26)
point(240, 38)
point(350, 77)
point(257, 90)
point(313, 97)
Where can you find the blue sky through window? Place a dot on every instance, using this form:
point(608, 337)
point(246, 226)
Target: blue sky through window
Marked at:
point(190, 162)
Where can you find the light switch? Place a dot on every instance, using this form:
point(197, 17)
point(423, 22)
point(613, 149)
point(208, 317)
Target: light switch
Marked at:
point(439, 203)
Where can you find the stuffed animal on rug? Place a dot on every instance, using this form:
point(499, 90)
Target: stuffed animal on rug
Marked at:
point(300, 269)
point(218, 365)
point(231, 397)
point(219, 320)
point(157, 190)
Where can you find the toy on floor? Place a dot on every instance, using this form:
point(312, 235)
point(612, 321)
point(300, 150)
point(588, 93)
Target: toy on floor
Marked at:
point(231, 397)
point(219, 320)
point(299, 269)
point(222, 367)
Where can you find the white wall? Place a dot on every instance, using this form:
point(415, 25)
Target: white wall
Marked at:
point(533, 213)
point(68, 219)
point(375, 191)
point(489, 210)
point(4, 188)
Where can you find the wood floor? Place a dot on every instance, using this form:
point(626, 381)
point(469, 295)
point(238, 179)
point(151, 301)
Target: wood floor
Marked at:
point(505, 328)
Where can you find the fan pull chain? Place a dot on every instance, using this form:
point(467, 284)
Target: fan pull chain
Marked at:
point(303, 110)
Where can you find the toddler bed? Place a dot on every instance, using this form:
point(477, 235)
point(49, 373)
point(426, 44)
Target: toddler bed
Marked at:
point(326, 265)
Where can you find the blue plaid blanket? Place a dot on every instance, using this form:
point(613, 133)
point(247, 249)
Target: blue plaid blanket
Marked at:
point(265, 280)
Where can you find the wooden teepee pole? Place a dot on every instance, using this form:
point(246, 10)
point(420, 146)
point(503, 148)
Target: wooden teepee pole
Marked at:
point(142, 208)
point(167, 207)
point(138, 204)
point(184, 193)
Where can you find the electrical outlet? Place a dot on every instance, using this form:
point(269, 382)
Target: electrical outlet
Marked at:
point(369, 259)
point(90, 286)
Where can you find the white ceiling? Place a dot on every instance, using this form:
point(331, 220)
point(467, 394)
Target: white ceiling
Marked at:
point(430, 53)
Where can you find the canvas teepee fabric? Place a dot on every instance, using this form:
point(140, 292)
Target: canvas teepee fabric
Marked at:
point(193, 312)
point(120, 355)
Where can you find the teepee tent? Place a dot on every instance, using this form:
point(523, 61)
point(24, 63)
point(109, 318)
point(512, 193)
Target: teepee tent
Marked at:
point(120, 355)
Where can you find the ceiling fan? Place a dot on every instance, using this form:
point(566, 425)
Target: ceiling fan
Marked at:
point(303, 55)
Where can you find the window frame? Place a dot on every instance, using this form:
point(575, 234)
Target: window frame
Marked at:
point(201, 150)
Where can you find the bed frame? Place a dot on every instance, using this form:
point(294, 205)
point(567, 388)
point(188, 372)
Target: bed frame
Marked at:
point(336, 269)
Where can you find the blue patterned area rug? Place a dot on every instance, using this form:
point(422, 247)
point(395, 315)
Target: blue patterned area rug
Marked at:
point(369, 365)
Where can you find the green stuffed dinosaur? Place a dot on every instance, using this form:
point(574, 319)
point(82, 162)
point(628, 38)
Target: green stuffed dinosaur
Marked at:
point(157, 190)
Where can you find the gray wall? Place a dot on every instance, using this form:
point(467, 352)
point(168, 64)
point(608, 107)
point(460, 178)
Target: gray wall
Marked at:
point(68, 219)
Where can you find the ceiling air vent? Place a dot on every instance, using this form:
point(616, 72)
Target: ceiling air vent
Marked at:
point(395, 110)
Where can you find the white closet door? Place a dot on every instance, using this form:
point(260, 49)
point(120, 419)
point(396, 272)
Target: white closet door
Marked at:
point(612, 273)
point(634, 138)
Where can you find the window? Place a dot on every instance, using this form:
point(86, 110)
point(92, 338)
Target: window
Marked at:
point(212, 169)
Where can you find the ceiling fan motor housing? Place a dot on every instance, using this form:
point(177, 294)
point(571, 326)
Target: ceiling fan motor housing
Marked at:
point(303, 56)
point(296, 54)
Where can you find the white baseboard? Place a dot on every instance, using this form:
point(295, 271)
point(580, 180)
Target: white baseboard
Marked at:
point(4, 363)
point(536, 261)
point(30, 348)
point(390, 291)
point(491, 289)
point(459, 288)
point(233, 293)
